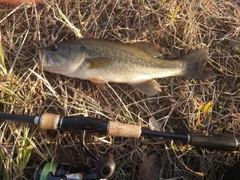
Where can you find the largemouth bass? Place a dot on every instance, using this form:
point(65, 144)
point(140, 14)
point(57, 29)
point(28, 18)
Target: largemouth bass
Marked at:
point(102, 61)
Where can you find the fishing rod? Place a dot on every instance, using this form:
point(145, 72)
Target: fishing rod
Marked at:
point(56, 122)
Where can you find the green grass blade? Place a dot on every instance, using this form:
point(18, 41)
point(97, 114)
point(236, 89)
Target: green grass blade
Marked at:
point(3, 70)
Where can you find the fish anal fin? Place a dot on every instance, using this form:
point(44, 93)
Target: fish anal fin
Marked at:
point(150, 48)
point(193, 65)
point(150, 87)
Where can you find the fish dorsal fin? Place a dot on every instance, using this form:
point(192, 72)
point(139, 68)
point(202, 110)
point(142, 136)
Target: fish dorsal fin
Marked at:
point(150, 48)
point(97, 63)
point(150, 87)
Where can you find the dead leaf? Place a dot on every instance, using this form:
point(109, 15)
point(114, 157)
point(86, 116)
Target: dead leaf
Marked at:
point(149, 169)
point(154, 125)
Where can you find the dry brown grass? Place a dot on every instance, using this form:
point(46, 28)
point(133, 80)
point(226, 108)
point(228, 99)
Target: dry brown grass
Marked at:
point(178, 26)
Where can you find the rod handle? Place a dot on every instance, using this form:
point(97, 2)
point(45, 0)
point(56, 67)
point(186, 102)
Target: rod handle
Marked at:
point(214, 141)
point(124, 130)
point(49, 121)
point(54, 122)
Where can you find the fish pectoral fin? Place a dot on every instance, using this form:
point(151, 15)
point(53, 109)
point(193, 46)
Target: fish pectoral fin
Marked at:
point(97, 63)
point(150, 48)
point(150, 87)
point(100, 83)
point(97, 80)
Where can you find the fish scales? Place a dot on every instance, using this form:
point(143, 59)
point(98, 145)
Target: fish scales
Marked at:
point(125, 53)
point(130, 58)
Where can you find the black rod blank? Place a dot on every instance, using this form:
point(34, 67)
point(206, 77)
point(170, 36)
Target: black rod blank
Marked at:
point(29, 119)
point(164, 135)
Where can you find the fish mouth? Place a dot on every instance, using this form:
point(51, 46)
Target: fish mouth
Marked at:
point(45, 58)
point(41, 56)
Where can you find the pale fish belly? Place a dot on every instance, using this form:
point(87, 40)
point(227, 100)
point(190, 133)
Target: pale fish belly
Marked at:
point(128, 75)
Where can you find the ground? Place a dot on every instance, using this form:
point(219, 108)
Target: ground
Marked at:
point(184, 105)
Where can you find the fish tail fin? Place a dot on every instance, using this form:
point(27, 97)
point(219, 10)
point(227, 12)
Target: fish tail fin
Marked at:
point(193, 65)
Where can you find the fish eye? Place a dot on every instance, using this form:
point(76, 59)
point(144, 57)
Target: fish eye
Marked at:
point(54, 47)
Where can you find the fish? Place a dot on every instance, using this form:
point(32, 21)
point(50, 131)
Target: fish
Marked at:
point(138, 64)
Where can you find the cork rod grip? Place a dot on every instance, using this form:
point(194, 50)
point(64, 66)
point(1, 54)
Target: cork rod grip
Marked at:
point(49, 121)
point(124, 130)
